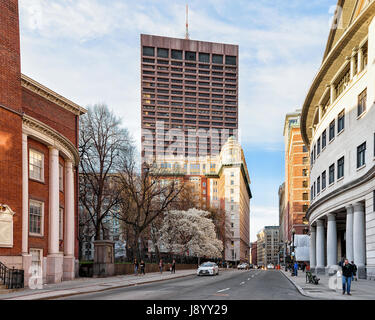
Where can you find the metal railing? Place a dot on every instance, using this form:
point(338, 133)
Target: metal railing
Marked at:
point(11, 278)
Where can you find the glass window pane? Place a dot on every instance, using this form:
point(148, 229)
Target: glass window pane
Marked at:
point(177, 54)
point(217, 58)
point(149, 51)
point(231, 60)
point(204, 57)
point(163, 53)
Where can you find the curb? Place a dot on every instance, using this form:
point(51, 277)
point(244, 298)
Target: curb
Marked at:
point(94, 291)
point(299, 288)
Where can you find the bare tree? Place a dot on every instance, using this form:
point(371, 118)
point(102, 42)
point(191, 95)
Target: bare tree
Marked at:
point(146, 195)
point(103, 145)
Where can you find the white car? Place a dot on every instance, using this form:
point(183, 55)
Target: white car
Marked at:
point(270, 266)
point(208, 268)
point(243, 266)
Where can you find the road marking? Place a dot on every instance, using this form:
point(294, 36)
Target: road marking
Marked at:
point(248, 279)
point(224, 290)
point(252, 276)
point(242, 283)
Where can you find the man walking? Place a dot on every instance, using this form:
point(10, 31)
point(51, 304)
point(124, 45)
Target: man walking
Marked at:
point(354, 271)
point(136, 265)
point(173, 270)
point(143, 267)
point(296, 269)
point(161, 266)
point(347, 274)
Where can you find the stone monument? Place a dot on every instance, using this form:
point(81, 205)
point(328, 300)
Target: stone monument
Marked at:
point(104, 259)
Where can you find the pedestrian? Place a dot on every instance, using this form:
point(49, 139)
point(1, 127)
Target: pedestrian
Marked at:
point(143, 267)
point(173, 266)
point(347, 274)
point(304, 267)
point(296, 269)
point(136, 265)
point(161, 265)
point(354, 271)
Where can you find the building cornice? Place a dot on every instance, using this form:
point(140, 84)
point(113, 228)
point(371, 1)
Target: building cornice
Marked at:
point(38, 129)
point(331, 65)
point(50, 95)
point(346, 187)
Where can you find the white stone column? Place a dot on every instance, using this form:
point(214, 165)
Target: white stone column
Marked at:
point(349, 233)
point(312, 247)
point(359, 240)
point(332, 93)
point(320, 261)
point(26, 257)
point(25, 195)
point(53, 233)
point(359, 60)
point(353, 69)
point(69, 230)
point(54, 258)
point(331, 241)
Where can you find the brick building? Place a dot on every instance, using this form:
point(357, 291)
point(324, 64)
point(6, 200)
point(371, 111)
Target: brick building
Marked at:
point(294, 193)
point(38, 166)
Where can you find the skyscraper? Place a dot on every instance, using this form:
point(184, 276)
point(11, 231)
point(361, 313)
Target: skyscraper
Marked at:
point(189, 96)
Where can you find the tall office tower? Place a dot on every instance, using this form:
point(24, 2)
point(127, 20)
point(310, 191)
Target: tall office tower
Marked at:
point(189, 96)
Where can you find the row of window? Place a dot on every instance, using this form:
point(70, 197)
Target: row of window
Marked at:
point(321, 182)
point(36, 219)
point(322, 140)
point(189, 55)
point(188, 82)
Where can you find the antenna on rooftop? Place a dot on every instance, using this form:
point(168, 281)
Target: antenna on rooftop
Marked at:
point(187, 36)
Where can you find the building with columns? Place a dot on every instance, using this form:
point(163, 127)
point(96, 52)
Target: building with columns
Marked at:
point(338, 125)
point(38, 166)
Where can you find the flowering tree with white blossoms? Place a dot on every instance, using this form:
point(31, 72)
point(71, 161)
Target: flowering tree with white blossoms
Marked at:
point(182, 231)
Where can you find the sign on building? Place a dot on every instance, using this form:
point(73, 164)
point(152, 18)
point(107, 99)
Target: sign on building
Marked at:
point(302, 247)
point(6, 226)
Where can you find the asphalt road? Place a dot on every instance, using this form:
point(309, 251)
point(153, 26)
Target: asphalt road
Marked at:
point(233, 284)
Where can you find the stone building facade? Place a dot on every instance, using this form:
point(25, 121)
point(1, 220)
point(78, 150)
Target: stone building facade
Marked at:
point(38, 166)
point(338, 125)
point(268, 246)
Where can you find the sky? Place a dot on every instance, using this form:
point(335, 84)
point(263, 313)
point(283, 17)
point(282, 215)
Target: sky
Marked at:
point(89, 52)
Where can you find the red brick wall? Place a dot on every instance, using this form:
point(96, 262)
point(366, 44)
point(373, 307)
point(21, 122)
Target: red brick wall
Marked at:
point(10, 123)
point(49, 113)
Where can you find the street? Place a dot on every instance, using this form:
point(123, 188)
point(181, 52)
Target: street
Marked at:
point(232, 285)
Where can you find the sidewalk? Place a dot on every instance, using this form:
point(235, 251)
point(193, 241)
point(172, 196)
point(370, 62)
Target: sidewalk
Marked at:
point(88, 285)
point(360, 290)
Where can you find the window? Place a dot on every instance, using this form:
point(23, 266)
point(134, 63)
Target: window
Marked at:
point(314, 152)
point(318, 185)
point(163, 53)
point(61, 177)
point(312, 193)
point(331, 130)
point(318, 146)
point(204, 57)
point(304, 149)
point(341, 122)
point(217, 58)
point(149, 51)
point(314, 189)
point(362, 102)
point(324, 139)
point(324, 180)
point(361, 155)
point(304, 184)
point(340, 168)
point(192, 56)
point(304, 172)
point(232, 182)
point(232, 225)
point(305, 207)
point(61, 224)
point(332, 174)
point(305, 196)
point(231, 60)
point(177, 54)
point(231, 190)
point(36, 165)
point(36, 217)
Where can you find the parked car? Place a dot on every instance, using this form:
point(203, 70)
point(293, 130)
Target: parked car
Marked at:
point(208, 268)
point(270, 266)
point(251, 266)
point(243, 266)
